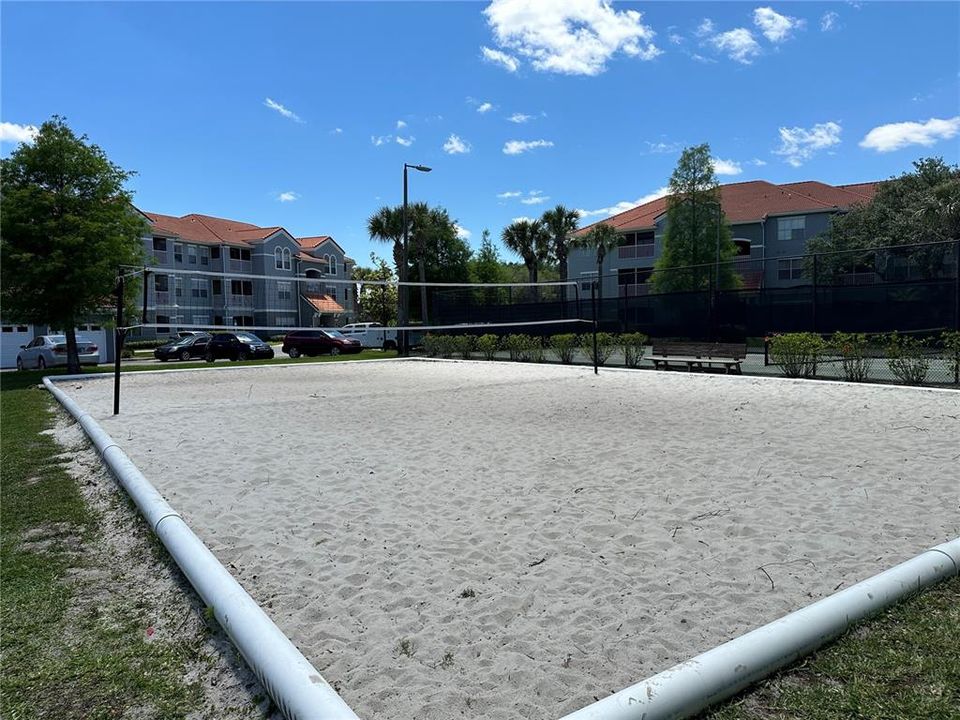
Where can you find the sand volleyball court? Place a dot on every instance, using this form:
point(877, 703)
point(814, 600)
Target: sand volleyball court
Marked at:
point(492, 540)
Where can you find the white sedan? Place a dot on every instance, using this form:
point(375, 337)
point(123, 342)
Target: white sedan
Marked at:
point(50, 350)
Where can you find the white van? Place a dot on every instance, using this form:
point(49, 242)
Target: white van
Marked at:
point(371, 335)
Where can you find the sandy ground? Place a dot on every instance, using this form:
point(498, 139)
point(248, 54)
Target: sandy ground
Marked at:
point(492, 540)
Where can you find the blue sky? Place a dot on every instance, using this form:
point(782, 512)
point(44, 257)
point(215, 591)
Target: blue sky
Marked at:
point(302, 114)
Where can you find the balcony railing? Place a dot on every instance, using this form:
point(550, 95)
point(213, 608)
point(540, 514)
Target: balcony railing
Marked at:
point(240, 266)
point(161, 297)
point(161, 257)
point(632, 252)
point(240, 301)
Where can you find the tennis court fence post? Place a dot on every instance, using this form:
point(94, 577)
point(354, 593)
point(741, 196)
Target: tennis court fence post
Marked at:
point(593, 303)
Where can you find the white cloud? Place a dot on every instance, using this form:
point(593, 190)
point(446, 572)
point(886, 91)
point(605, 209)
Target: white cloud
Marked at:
point(726, 167)
point(515, 147)
point(702, 59)
point(288, 196)
point(662, 148)
point(776, 27)
point(887, 138)
point(519, 118)
point(401, 124)
point(379, 140)
point(798, 144)
point(738, 44)
point(11, 132)
point(623, 205)
point(462, 232)
point(521, 219)
point(675, 38)
point(535, 198)
point(485, 107)
point(704, 28)
point(509, 194)
point(758, 162)
point(575, 37)
point(508, 62)
point(405, 141)
point(274, 105)
point(455, 145)
point(828, 21)
point(337, 131)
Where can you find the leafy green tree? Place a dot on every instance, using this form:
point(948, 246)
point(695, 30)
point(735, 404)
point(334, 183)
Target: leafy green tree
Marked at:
point(386, 225)
point(376, 303)
point(438, 254)
point(66, 225)
point(921, 206)
point(691, 235)
point(531, 241)
point(561, 223)
point(487, 267)
point(601, 238)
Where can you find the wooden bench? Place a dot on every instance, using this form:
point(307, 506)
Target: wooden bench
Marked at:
point(698, 354)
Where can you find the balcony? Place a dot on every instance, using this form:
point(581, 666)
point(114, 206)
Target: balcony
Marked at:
point(632, 252)
point(240, 301)
point(240, 266)
point(160, 257)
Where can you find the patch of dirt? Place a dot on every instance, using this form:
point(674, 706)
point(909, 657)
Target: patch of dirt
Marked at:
point(124, 560)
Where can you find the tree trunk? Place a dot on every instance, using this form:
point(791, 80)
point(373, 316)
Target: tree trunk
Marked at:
point(599, 278)
point(73, 356)
point(563, 276)
point(422, 263)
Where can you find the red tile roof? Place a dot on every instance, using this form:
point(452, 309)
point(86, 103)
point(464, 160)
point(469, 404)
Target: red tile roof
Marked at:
point(210, 230)
point(755, 199)
point(324, 303)
point(312, 243)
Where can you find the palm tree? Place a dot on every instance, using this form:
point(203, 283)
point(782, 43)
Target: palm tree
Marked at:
point(386, 225)
point(561, 224)
point(422, 218)
point(602, 238)
point(530, 240)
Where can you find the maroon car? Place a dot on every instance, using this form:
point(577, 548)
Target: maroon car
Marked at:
point(319, 342)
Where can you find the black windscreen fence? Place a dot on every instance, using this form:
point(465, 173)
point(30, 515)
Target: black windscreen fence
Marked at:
point(912, 288)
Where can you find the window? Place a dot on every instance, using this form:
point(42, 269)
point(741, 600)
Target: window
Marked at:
point(287, 264)
point(215, 253)
point(178, 252)
point(791, 228)
point(239, 254)
point(204, 255)
point(790, 269)
point(278, 259)
point(333, 264)
point(21, 328)
point(191, 254)
point(218, 319)
point(162, 320)
point(284, 290)
point(218, 287)
point(243, 320)
point(95, 328)
point(198, 288)
point(178, 286)
point(160, 244)
point(241, 287)
point(160, 283)
point(8, 328)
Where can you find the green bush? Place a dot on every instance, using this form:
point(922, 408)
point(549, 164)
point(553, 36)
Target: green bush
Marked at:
point(488, 345)
point(634, 345)
point(565, 346)
point(462, 345)
point(796, 353)
point(524, 348)
point(950, 341)
point(907, 359)
point(146, 344)
point(851, 349)
point(438, 346)
point(605, 345)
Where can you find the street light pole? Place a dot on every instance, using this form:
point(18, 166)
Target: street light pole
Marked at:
point(404, 313)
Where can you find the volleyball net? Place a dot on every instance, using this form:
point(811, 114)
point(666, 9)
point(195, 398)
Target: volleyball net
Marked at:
point(162, 302)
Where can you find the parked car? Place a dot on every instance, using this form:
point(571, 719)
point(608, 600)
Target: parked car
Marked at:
point(184, 348)
point(191, 333)
point(318, 342)
point(51, 350)
point(372, 335)
point(236, 346)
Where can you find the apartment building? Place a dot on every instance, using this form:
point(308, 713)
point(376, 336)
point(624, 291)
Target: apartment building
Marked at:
point(231, 248)
point(771, 226)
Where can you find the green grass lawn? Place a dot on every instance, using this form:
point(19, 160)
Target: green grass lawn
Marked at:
point(903, 664)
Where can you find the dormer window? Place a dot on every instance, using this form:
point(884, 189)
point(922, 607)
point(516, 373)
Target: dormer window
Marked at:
point(281, 257)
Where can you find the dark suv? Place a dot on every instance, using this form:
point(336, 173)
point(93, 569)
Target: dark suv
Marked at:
point(237, 346)
point(317, 342)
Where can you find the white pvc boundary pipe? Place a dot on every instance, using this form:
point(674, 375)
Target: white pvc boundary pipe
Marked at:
point(296, 687)
point(691, 686)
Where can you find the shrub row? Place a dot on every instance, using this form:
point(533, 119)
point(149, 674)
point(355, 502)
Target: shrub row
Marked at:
point(527, 348)
point(798, 354)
